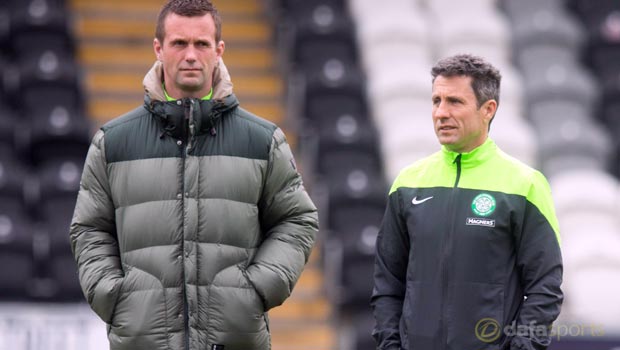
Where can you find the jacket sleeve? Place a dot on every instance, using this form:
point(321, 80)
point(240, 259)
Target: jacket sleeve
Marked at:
point(290, 222)
point(93, 235)
point(539, 262)
point(392, 252)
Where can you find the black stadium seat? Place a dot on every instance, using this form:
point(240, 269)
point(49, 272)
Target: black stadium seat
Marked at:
point(59, 181)
point(40, 25)
point(315, 32)
point(16, 236)
point(16, 251)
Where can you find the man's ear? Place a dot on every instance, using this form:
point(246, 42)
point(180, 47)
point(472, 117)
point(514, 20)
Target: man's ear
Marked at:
point(488, 110)
point(219, 49)
point(157, 47)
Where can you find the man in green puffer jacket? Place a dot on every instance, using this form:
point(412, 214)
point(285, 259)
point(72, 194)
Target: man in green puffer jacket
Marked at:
point(191, 221)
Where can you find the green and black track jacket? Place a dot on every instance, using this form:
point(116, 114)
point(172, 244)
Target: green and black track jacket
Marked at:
point(468, 255)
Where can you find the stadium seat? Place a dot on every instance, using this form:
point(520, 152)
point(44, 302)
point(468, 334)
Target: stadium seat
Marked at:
point(556, 109)
point(16, 238)
point(5, 29)
point(604, 41)
point(60, 265)
point(336, 123)
point(47, 67)
point(60, 175)
point(548, 27)
point(349, 249)
point(610, 82)
point(7, 128)
point(570, 144)
point(44, 22)
point(74, 143)
point(16, 251)
point(12, 175)
point(525, 147)
point(462, 33)
point(593, 11)
point(585, 212)
point(407, 133)
point(59, 181)
point(335, 86)
point(391, 85)
point(345, 125)
point(348, 277)
point(591, 270)
point(601, 195)
point(403, 36)
point(57, 128)
point(320, 31)
point(332, 91)
point(349, 137)
point(349, 168)
point(524, 8)
point(294, 7)
point(363, 10)
point(459, 6)
point(547, 82)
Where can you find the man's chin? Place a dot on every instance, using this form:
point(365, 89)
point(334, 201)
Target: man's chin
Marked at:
point(190, 80)
point(191, 86)
point(445, 141)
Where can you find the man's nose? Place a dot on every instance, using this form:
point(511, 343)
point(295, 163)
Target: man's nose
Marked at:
point(440, 110)
point(190, 53)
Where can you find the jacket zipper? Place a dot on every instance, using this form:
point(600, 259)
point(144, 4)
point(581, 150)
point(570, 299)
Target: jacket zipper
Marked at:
point(188, 120)
point(447, 252)
point(457, 161)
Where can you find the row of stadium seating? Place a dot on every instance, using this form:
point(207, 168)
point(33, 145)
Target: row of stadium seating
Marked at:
point(339, 145)
point(577, 152)
point(44, 139)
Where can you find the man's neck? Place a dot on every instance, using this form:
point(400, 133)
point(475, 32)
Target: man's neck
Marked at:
point(170, 98)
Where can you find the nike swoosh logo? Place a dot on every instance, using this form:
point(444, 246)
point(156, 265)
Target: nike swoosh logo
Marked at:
point(415, 200)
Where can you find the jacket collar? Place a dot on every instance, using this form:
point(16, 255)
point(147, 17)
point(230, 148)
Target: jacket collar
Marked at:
point(473, 158)
point(205, 115)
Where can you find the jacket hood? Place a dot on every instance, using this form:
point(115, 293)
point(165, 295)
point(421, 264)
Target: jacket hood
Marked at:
point(205, 114)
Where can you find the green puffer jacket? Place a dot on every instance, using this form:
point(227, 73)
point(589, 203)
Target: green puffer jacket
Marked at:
point(191, 223)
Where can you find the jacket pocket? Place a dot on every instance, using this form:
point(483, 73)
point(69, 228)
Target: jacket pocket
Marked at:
point(236, 312)
point(476, 315)
point(118, 296)
point(140, 310)
point(104, 296)
point(421, 310)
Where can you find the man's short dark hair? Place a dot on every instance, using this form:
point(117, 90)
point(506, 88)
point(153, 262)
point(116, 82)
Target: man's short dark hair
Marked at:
point(485, 80)
point(188, 8)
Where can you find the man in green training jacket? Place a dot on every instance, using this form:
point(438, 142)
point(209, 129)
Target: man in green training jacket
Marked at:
point(468, 255)
point(192, 221)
